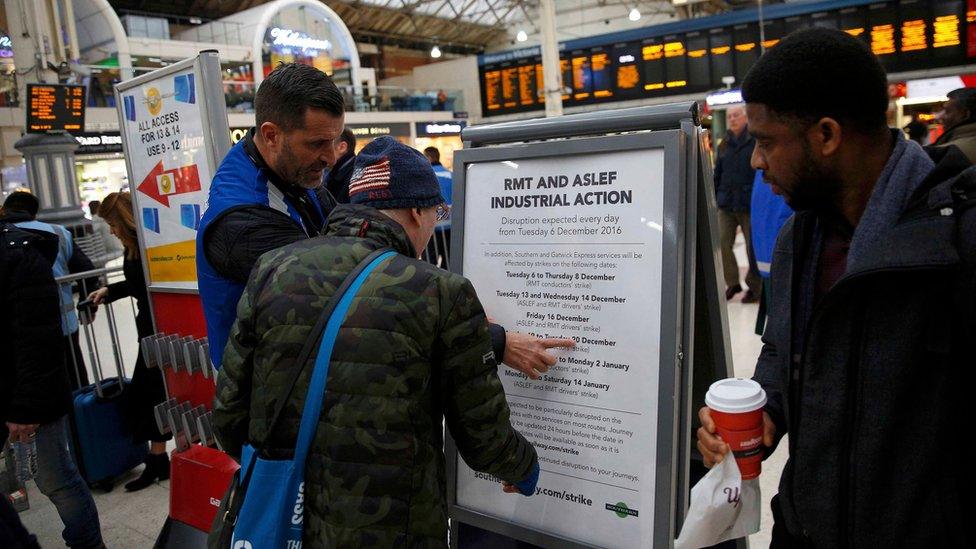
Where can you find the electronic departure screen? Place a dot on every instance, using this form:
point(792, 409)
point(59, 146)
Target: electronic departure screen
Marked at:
point(906, 35)
point(528, 85)
point(54, 107)
point(602, 70)
point(582, 75)
point(626, 60)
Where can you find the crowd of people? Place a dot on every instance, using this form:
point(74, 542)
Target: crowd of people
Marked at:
point(861, 247)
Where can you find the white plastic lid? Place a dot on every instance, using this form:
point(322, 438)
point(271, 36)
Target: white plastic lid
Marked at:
point(735, 395)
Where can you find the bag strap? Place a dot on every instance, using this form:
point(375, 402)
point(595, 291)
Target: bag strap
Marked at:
point(315, 335)
point(316, 388)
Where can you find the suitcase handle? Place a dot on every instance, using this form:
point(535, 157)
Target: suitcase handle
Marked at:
point(88, 327)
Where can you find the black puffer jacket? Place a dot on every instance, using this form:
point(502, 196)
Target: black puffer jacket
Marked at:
point(33, 382)
point(733, 172)
point(874, 382)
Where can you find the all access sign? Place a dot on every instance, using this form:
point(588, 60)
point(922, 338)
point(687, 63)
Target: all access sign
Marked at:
point(170, 169)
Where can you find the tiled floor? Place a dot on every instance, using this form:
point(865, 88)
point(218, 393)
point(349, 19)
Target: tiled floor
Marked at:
point(132, 521)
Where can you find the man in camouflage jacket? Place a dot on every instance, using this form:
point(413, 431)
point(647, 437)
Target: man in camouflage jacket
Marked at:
point(413, 351)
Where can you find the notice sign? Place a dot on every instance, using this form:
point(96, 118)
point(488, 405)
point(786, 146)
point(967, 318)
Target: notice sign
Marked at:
point(571, 246)
point(168, 168)
point(53, 107)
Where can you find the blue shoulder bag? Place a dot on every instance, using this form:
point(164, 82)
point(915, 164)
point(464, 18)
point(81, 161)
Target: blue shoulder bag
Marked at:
point(266, 500)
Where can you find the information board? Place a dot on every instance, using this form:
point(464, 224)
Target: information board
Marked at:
point(170, 165)
point(580, 238)
point(571, 247)
point(53, 107)
point(694, 56)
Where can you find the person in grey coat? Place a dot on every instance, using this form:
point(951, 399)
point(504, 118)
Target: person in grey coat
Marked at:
point(868, 356)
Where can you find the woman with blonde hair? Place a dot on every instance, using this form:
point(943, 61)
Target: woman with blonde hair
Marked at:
point(147, 389)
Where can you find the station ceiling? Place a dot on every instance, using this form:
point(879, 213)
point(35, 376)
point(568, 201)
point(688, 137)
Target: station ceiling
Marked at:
point(462, 26)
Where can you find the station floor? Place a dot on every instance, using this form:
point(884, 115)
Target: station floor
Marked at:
point(133, 520)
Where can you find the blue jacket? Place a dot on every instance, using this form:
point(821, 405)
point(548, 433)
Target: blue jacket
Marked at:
point(239, 182)
point(734, 173)
point(769, 214)
point(446, 180)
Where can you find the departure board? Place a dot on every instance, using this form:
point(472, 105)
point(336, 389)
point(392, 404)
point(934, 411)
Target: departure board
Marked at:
point(567, 71)
point(629, 84)
point(720, 54)
point(510, 87)
point(881, 22)
point(906, 35)
point(492, 84)
point(824, 20)
point(675, 62)
point(747, 48)
point(652, 53)
point(53, 107)
point(582, 75)
point(601, 68)
point(697, 52)
point(527, 83)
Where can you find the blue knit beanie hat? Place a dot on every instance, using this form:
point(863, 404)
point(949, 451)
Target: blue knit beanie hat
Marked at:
point(389, 175)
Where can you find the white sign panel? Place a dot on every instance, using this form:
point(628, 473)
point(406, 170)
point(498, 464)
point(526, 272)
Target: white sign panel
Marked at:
point(571, 247)
point(169, 173)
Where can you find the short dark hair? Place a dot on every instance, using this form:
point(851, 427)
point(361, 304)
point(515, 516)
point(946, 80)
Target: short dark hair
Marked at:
point(93, 206)
point(817, 73)
point(916, 130)
point(433, 154)
point(290, 90)
point(349, 139)
point(22, 201)
point(967, 97)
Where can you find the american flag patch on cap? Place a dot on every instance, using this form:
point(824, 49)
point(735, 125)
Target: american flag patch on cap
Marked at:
point(375, 176)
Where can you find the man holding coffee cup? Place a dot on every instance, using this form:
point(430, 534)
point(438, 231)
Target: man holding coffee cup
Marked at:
point(867, 360)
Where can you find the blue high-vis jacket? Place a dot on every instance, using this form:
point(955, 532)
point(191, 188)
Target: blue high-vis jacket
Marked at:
point(446, 179)
point(238, 183)
point(66, 246)
point(769, 213)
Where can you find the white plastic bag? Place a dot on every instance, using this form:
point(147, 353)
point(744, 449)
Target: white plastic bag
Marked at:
point(723, 507)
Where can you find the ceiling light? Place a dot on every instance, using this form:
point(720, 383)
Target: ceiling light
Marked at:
point(521, 36)
point(634, 15)
point(435, 52)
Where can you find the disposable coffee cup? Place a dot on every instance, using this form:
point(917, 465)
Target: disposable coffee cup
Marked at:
point(737, 409)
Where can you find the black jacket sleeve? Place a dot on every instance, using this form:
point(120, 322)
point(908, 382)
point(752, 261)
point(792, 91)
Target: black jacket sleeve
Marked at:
point(79, 263)
point(497, 334)
point(34, 380)
point(234, 242)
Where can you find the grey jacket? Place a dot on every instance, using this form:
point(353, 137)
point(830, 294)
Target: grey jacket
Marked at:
point(962, 136)
point(870, 382)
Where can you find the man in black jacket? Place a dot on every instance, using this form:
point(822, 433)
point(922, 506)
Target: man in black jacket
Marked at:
point(337, 180)
point(20, 208)
point(868, 355)
point(34, 393)
point(733, 192)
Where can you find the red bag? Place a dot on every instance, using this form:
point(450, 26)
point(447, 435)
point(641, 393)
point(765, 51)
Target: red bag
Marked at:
point(199, 478)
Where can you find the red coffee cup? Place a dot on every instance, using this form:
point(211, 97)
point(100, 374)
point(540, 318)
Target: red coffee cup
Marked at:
point(737, 409)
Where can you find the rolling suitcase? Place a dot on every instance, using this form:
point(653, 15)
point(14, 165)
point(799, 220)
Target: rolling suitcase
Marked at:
point(103, 444)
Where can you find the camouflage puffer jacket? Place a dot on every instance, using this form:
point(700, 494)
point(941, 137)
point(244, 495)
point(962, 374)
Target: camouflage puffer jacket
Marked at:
point(414, 350)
